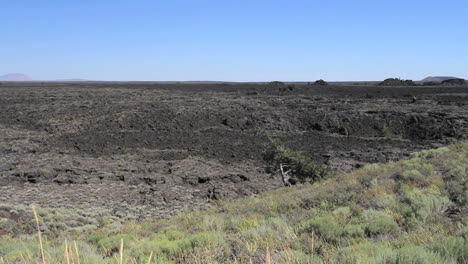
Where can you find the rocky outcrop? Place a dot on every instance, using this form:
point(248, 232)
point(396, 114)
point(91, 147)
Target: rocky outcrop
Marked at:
point(397, 82)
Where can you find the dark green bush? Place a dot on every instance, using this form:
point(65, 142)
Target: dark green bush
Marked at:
point(386, 131)
point(300, 166)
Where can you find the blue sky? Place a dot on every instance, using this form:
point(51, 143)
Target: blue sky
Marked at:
point(256, 40)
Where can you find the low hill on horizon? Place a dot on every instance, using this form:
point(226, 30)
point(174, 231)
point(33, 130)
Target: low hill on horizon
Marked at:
point(437, 79)
point(15, 77)
point(20, 77)
point(72, 80)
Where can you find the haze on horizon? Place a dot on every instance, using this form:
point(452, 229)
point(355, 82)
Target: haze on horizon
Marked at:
point(295, 40)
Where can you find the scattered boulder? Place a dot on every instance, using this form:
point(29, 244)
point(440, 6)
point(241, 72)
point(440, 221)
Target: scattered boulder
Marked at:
point(203, 179)
point(214, 194)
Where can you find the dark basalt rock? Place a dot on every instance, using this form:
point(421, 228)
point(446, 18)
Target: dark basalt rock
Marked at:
point(159, 149)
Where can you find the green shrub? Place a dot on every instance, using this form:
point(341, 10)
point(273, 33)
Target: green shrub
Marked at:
point(386, 200)
point(431, 153)
point(297, 257)
point(172, 249)
point(382, 253)
point(112, 243)
point(381, 225)
point(83, 229)
point(417, 205)
point(168, 248)
point(342, 213)
point(172, 233)
point(243, 224)
point(16, 250)
point(324, 226)
point(94, 238)
point(208, 240)
point(416, 255)
point(353, 231)
point(365, 252)
point(453, 247)
point(417, 170)
point(456, 185)
point(413, 175)
point(269, 232)
point(4, 223)
point(386, 131)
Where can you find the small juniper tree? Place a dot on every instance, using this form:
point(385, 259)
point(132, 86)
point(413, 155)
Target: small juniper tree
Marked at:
point(293, 165)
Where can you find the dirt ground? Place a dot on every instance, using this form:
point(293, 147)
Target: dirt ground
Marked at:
point(151, 150)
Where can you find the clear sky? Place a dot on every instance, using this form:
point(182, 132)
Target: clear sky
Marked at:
point(234, 40)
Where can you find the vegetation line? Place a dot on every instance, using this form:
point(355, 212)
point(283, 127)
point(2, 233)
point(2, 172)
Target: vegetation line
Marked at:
point(411, 211)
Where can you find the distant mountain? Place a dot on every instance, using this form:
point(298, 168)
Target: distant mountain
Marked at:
point(15, 77)
point(19, 77)
point(437, 79)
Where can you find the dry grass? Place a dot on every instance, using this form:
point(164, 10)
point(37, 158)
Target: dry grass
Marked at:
point(267, 256)
point(121, 251)
point(149, 258)
point(41, 246)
